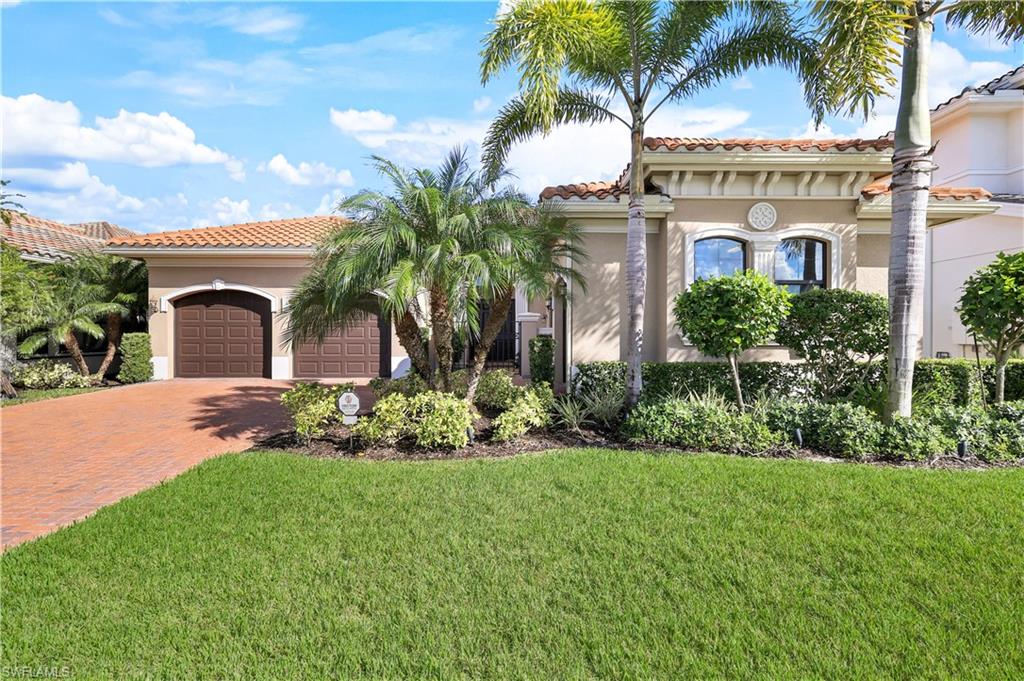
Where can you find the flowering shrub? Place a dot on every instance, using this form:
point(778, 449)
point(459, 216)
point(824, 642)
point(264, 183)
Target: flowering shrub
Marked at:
point(48, 374)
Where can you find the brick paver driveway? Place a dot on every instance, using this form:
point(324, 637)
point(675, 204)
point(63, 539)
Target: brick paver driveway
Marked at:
point(63, 459)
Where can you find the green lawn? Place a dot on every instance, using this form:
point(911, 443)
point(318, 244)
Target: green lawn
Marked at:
point(560, 565)
point(36, 395)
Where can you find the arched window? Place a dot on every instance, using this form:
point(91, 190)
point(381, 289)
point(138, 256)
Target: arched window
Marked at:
point(717, 256)
point(800, 264)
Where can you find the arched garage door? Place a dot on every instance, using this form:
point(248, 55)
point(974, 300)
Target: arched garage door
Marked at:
point(222, 334)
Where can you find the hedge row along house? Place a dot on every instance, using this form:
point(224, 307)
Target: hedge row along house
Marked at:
point(805, 212)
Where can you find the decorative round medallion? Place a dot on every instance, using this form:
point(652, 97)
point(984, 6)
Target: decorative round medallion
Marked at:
point(762, 216)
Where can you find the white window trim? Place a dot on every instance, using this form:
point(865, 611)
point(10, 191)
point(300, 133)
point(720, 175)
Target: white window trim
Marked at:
point(763, 246)
point(276, 304)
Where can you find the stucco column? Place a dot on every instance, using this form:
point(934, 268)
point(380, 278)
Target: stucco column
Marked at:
point(764, 256)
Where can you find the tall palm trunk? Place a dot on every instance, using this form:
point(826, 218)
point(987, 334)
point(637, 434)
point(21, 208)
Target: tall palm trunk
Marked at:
point(408, 332)
point(912, 170)
point(113, 343)
point(75, 350)
point(497, 314)
point(636, 266)
point(441, 333)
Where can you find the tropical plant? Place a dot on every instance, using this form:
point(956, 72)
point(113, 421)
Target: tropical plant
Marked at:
point(839, 333)
point(123, 281)
point(9, 207)
point(860, 50)
point(447, 235)
point(992, 309)
point(624, 60)
point(73, 307)
point(22, 288)
point(724, 316)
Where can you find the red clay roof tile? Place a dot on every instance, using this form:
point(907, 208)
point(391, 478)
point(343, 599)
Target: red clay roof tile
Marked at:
point(882, 186)
point(750, 144)
point(292, 232)
point(48, 239)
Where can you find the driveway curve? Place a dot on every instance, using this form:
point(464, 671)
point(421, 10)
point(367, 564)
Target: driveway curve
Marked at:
point(62, 459)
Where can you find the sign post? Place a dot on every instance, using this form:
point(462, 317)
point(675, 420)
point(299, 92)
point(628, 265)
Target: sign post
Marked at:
point(348, 405)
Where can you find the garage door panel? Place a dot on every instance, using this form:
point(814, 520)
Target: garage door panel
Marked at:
point(353, 353)
point(222, 333)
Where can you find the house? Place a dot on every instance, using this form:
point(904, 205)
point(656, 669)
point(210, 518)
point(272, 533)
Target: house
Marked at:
point(42, 240)
point(805, 212)
point(980, 141)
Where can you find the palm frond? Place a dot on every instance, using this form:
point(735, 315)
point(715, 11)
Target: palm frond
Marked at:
point(1003, 19)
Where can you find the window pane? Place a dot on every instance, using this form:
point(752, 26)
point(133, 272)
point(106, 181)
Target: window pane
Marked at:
point(715, 257)
point(800, 264)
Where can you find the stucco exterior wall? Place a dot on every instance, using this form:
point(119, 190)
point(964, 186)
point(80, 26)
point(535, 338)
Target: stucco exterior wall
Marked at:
point(873, 263)
point(168, 276)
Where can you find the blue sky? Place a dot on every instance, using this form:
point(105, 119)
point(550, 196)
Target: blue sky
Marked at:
point(163, 116)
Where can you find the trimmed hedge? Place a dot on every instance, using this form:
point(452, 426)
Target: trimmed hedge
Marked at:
point(542, 359)
point(951, 382)
point(136, 358)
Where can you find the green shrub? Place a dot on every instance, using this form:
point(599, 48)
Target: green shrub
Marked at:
point(136, 358)
point(836, 331)
point(598, 377)
point(390, 423)
point(495, 391)
point(782, 416)
point(840, 429)
point(571, 413)
point(606, 408)
point(915, 440)
point(527, 412)
point(951, 381)
point(1005, 441)
point(1009, 411)
point(440, 420)
point(724, 316)
point(542, 359)
point(313, 407)
point(408, 385)
point(1014, 381)
point(546, 394)
point(698, 425)
point(48, 374)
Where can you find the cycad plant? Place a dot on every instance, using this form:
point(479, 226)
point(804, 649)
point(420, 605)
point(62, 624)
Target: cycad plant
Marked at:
point(862, 44)
point(592, 62)
point(74, 305)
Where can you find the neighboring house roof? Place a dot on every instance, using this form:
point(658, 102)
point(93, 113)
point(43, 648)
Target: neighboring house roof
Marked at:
point(1011, 80)
point(751, 144)
point(104, 230)
point(882, 186)
point(304, 232)
point(1008, 198)
point(41, 239)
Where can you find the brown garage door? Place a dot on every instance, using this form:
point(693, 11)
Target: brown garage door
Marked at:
point(361, 350)
point(221, 333)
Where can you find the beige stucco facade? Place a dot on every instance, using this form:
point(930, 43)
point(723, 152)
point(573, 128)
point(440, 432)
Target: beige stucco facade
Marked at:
point(174, 277)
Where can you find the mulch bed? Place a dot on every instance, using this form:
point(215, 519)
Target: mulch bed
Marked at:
point(338, 444)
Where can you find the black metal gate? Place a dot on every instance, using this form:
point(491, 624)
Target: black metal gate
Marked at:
point(504, 353)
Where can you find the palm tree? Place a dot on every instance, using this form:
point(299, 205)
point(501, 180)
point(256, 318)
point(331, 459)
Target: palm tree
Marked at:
point(73, 307)
point(624, 60)
point(123, 281)
point(860, 49)
point(9, 207)
point(542, 249)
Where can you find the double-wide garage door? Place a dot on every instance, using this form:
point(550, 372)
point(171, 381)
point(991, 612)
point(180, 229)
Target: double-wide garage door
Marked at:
point(228, 334)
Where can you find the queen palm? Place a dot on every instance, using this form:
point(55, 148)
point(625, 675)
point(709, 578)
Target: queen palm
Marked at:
point(73, 306)
point(862, 44)
point(592, 62)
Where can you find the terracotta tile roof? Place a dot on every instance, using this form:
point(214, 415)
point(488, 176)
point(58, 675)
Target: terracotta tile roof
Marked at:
point(104, 230)
point(47, 239)
point(583, 190)
point(751, 144)
point(293, 232)
point(1011, 80)
point(882, 186)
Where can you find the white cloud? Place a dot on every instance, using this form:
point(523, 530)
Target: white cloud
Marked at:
point(398, 40)
point(354, 121)
point(71, 193)
point(481, 104)
point(317, 174)
point(116, 18)
point(228, 211)
point(269, 23)
point(810, 131)
point(742, 83)
point(570, 153)
point(35, 126)
point(329, 202)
